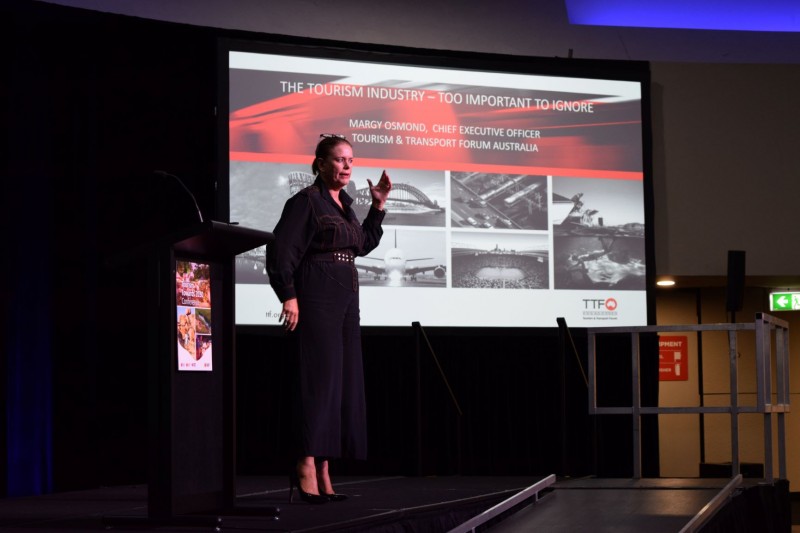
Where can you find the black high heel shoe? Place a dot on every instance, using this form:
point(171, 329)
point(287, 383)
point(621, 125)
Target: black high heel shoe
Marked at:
point(307, 497)
point(334, 497)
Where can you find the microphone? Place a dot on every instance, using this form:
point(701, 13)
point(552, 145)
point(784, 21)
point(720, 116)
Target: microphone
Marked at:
point(185, 188)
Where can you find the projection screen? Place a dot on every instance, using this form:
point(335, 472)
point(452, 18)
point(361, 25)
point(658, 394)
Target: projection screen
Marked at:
point(518, 197)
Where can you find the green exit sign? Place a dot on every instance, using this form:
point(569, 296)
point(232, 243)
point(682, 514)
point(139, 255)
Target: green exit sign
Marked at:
point(784, 301)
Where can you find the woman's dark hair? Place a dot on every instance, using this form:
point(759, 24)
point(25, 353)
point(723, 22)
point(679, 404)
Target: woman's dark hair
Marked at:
point(324, 147)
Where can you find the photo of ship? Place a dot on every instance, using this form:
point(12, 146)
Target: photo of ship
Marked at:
point(593, 250)
point(570, 217)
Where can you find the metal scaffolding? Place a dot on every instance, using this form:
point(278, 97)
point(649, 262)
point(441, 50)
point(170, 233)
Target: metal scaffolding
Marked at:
point(770, 334)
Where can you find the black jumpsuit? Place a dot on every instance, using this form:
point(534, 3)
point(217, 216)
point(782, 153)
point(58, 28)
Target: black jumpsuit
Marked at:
point(311, 259)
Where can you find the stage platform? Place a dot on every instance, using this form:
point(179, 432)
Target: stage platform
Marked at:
point(405, 504)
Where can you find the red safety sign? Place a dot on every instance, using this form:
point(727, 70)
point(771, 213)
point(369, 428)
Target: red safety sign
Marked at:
point(673, 358)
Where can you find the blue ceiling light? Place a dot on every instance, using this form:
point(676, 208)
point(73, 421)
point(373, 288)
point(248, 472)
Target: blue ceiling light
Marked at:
point(738, 15)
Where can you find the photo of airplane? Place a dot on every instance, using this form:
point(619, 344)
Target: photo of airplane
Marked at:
point(394, 268)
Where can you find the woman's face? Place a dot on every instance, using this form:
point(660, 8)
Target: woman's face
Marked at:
point(335, 169)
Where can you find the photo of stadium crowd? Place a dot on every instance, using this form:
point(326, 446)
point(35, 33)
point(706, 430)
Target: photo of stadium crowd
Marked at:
point(500, 261)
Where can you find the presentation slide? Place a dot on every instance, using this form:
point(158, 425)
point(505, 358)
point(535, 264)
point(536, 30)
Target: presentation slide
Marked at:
point(517, 198)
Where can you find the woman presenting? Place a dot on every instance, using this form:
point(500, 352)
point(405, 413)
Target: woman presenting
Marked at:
point(312, 271)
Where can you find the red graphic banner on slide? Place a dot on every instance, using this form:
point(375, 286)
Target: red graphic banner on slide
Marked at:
point(278, 117)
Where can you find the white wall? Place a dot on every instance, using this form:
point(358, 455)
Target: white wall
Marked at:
point(726, 172)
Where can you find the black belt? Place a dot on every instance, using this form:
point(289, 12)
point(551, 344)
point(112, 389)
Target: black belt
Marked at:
point(339, 256)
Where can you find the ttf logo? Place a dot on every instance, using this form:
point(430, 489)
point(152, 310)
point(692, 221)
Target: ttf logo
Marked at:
point(609, 304)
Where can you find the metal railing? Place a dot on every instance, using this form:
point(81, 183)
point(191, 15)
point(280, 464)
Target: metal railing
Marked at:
point(770, 333)
point(529, 494)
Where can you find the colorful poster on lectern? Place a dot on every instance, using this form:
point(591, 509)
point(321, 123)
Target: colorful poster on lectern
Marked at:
point(193, 315)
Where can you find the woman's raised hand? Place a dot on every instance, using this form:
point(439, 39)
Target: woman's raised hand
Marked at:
point(380, 192)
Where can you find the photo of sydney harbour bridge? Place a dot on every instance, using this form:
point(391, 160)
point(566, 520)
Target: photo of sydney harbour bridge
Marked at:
point(417, 197)
point(258, 192)
point(505, 260)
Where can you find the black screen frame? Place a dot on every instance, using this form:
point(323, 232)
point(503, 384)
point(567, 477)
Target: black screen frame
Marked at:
point(633, 71)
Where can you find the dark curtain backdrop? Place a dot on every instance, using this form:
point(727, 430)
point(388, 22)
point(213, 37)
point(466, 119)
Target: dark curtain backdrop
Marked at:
point(92, 105)
point(507, 385)
point(503, 384)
